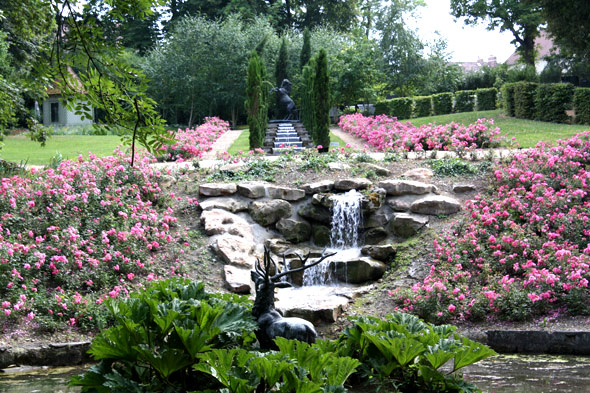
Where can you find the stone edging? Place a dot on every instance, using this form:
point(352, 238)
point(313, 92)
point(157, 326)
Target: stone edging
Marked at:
point(54, 355)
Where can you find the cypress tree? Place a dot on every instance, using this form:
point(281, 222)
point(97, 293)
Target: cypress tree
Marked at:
point(321, 101)
point(281, 73)
point(307, 113)
point(305, 49)
point(255, 101)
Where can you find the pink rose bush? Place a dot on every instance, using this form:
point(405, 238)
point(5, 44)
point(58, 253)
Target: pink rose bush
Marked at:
point(385, 133)
point(72, 236)
point(194, 142)
point(520, 252)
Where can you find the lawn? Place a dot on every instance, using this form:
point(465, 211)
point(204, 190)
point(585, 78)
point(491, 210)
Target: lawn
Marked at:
point(19, 148)
point(242, 143)
point(526, 132)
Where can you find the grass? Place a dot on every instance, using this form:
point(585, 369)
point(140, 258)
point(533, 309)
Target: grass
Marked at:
point(526, 132)
point(243, 142)
point(19, 148)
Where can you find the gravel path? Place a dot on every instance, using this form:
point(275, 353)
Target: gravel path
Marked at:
point(222, 144)
point(353, 141)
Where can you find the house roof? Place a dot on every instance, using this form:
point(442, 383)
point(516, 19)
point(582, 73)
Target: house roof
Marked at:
point(543, 44)
point(54, 89)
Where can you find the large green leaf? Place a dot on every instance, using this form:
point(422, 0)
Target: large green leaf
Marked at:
point(471, 352)
point(166, 361)
point(404, 350)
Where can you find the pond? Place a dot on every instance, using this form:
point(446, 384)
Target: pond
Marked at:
point(501, 374)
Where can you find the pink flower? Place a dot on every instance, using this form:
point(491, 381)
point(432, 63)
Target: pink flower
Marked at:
point(7, 312)
point(451, 308)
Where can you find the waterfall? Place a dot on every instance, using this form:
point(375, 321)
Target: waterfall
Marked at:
point(344, 238)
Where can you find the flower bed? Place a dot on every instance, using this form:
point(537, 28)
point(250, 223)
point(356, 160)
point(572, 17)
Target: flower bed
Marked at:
point(524, 250)
point(194, 142)
point(73, 236)
point(385, 133)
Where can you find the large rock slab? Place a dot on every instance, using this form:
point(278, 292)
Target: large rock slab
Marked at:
point(267, 213)
point(315, 213)
point(379, 170)
point(321, 235)
point(402, 203)
point(235, 250)
point(419, 174)
point(375, 235)
point(218, 221)
point(314, 304)
point(320, 186)
point(352, 183)
point(358, 271)
point(252, 189)
point(406, 225)
point(231, 204)
point(286, 193)
point(462, 187)
point(323, 199)
point(384, 253)
point(373, 201)
point(338, 166)
point(435, 205)
point(404, 187)
point(217, 189)
point(295, 231)
point(237, 279)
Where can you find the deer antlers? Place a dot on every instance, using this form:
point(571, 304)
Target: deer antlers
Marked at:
point(263, 271)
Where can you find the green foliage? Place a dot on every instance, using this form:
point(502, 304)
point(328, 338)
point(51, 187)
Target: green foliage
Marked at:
point(256, 169)
point(508, 98)
point(552, 100)
point(486, 99)
point(305, 54)
point(321, 101)
point(524, 100)
point(401, 107)
point(403, 351)
point(307, 103)
point(160, 333)
point(256, 105)
point(442, 103)
point(464, 100)
point(423, 106)
point(381, 107)
point(452, 167)
point(582, 104)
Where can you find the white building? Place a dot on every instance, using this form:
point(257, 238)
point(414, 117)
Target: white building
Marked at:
point(55, 112)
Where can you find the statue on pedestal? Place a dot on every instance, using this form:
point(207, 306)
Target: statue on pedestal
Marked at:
point(287, 104)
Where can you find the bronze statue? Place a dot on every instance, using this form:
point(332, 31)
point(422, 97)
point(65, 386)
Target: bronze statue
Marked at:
point(271, 324)
point(284, 100)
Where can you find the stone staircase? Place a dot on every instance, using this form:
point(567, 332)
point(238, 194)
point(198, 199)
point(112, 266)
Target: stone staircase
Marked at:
point(283, 135)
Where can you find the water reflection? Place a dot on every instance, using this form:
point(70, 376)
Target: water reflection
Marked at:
point(38, 379)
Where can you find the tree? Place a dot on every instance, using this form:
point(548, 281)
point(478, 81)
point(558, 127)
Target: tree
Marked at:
point(439, 74)
point(520, 17)
point(307, 110)
point(569, 23)
point(305, 49)
point(321, 100)
point(256, 106)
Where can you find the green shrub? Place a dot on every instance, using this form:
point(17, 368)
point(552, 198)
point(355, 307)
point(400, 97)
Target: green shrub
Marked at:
point(382, 107)
point(452, 166)
point(401, 107)
point(464, 100)
point(524, 100)
point(486, 99)
point(508, 98)
point(582, 104)
point(552, 100)
point(442, 103)
point(422, 106)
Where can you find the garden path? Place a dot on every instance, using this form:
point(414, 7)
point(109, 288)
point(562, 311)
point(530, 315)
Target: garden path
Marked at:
point(355, 142)
point(222, 144)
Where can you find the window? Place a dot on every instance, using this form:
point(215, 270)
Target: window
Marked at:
point(55, 112)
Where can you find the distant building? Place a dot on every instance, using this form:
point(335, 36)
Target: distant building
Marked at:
point(54, 111)
point(472, 66)
point(544, 45)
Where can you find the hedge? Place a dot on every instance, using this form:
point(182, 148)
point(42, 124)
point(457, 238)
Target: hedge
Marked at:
point(486, 99)
point(442, 103)
point(582, 104)
point(508, 98)
point(552, 100)
point(422, 106)
point(401, 107)
point(382, 107)
point(524, 100)
point(464, 100)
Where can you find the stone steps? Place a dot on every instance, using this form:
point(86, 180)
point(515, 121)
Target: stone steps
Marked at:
point(283, 136)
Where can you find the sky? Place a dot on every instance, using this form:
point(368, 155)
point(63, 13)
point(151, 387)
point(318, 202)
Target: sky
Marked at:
point(467, 43)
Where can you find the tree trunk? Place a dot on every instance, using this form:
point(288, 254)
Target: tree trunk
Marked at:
point(527, 47)
point(234, 118)
point(190, 117)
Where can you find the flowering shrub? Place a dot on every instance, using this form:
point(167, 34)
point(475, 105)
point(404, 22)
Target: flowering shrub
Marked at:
point(72, 236)
point(194, 142)
point(523, 251)
point(385, 133)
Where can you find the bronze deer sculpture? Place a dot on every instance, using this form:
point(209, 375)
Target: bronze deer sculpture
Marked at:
point(271, 324)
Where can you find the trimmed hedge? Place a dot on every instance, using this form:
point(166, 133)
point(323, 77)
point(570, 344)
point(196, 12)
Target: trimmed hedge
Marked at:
point(442, 103)
point(486, 99)
point(524, 100)
point(382, 107)
point(508, 98)
point(582, 104)
point(401, 107)
point(464, 101)
point(422, 106)
point(552, 100)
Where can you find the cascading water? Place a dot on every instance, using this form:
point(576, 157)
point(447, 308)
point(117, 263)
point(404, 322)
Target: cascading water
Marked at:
point(347, 218)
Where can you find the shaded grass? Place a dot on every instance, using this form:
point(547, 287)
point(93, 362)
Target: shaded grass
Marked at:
point(19, 148)
point(243, 142)
point(527, 132)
